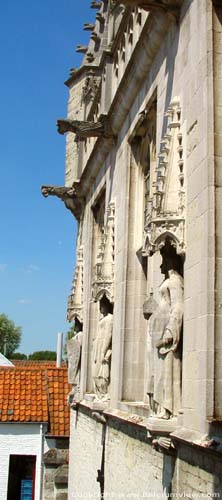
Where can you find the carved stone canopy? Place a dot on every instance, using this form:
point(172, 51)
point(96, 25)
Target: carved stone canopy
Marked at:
point(165, 208)
point(84, 129)
point(69, 195)
point(169, 6)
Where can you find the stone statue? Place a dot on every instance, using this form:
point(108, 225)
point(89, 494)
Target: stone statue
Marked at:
point(102, 351)
point(85, 129)
point(74, 348)
point(165, 331)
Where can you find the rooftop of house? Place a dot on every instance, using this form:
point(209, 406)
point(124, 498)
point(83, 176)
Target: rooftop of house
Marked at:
point(35, 392)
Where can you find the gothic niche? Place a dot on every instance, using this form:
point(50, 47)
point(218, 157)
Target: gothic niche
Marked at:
point(103, 292)
point(165, 338)
point(102, 352)
point(165, 203)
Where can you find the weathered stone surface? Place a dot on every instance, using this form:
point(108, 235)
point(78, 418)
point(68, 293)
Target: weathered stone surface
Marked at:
point(61, 475)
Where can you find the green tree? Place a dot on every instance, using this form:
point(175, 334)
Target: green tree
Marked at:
point(10, 335)
point(43, 356)
point(19, 355)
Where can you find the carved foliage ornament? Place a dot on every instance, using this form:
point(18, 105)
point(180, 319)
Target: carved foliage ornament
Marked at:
point(103, 280)
point(165, 210)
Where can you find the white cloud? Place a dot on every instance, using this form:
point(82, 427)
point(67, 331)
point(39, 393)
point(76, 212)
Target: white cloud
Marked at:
point(30, 268)
point(2, 268)
point(24, 301)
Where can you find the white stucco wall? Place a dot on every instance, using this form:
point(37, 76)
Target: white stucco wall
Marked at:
point(20, 439)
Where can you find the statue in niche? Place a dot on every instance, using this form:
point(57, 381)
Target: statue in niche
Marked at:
point(74, 349)
point(102, 351)
point(165, 330)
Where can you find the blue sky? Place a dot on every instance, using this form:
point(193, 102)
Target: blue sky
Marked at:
point(37, 49)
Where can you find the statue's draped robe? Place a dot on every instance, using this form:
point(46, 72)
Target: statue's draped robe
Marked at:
point(164, 363)
point(74, 346)
point(101, 356)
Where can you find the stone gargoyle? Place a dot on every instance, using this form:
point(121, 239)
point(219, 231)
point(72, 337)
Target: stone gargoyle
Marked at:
point(72, 200)
point(84, 129)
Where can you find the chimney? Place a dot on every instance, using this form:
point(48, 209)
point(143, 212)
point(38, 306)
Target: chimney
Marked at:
point(59, 350)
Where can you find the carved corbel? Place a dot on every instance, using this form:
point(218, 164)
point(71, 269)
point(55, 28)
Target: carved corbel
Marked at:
point(95, 4)
point(95, 37)
point(81, 49)
point(69, 195)
point(171, 7)
point(88, 27)
point(84, 129)
point(164, 445)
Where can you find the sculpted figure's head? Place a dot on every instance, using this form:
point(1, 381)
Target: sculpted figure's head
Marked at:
point(105, 306)
point(171, 260)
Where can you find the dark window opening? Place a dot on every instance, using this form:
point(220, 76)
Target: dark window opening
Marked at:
point(21, 478)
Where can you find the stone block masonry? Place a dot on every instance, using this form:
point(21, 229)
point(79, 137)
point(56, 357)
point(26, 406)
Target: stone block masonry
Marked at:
point(133, 468)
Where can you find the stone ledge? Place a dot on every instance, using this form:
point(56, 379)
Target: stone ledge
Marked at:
point(159, 426)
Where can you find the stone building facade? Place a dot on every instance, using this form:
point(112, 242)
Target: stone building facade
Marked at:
point(143, 180)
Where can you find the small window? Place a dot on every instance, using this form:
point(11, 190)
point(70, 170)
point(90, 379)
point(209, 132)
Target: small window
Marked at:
point(21, 478)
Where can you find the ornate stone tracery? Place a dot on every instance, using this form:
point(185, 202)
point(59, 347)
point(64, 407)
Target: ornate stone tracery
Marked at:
point(75, 300)
point(165, 209)
point(91, 86)
point(103, 279)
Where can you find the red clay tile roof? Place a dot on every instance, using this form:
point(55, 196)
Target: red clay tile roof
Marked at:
point(35, 394)
point(35, 364)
